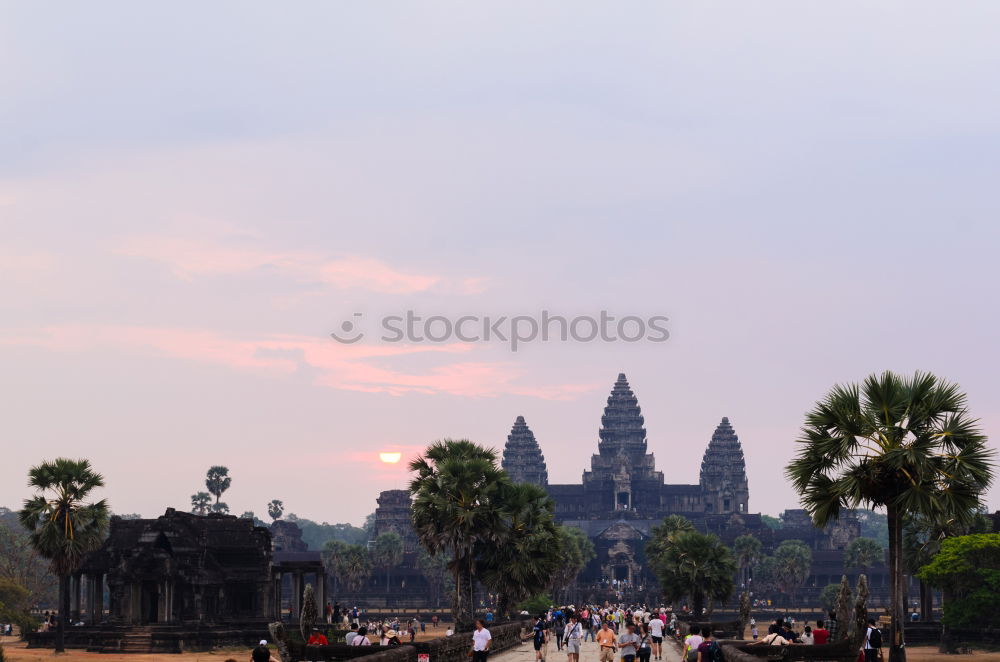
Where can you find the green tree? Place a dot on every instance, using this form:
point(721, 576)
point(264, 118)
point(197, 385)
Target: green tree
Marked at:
point(387, 553)
point(968, 567)
point(793, 560)
point(217, 481)
point(200, 502)
point(353, 567)
point(746, 549)
point(828, 597)
point(435, 570)
point(454, 509)
point(529, 550)
point(21, 563)
point(275, 509)
point(663, 536)
point(332, 551)
point(907, 445)
point(63, 526)
point(863, 554)
point(220, 507)
point(773, 523)
point(696, 566)
point(578, 551)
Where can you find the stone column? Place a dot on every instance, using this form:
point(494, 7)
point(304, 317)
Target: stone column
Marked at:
point(321, 595)
point(296, 595)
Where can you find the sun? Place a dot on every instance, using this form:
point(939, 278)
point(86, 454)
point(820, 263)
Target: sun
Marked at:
point(390, 457)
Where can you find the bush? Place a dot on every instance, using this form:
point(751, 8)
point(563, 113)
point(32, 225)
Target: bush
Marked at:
point(969, 568)
point(535, 605)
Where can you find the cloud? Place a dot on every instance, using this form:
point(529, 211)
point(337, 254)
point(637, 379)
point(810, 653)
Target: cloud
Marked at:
point(191, 258)
point(356, 367)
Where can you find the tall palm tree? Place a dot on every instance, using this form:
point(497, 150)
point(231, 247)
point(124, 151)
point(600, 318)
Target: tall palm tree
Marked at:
point(455, 507)
point(200, 502)
point(663, 536)
point(353, 567)
point(275, 509)
point(904, 444)
point(387, 553)
point(793, 559)
point(217, 480)
point(64, 527)
point(523, 562)
point(746, 549)
point(697, 566)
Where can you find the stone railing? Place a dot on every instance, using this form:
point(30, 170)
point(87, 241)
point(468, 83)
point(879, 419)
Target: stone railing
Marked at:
point(740, 651)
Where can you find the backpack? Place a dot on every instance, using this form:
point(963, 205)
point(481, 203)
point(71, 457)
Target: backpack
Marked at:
point(875, 638)
point(715, 652)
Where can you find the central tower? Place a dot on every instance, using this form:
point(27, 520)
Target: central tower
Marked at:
point(622, 474)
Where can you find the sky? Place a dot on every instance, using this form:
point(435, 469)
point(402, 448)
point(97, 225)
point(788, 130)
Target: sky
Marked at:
point(194, 196)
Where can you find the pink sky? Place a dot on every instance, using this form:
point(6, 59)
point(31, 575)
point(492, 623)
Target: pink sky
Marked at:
point(191, 208)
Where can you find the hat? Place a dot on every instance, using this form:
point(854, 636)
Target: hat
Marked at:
point(263, 642)
point(391, 634)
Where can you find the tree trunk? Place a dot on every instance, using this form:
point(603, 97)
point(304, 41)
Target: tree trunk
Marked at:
point(926, 602)
point(62, 623)
point(895, 520)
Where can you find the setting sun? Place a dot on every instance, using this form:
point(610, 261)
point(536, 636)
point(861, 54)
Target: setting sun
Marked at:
point(390, 458)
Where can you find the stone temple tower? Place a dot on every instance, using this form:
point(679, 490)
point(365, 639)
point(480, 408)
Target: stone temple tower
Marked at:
point(522, 457)
point(723, 473)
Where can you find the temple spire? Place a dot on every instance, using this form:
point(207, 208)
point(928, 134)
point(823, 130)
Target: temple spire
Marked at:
point(723, 473)
point(622, 428)
point(522, 456)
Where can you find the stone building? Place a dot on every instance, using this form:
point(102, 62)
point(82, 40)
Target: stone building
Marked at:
point(181, 568)
point(522, 457)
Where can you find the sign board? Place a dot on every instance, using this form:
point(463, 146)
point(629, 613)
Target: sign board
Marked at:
point(423, 657)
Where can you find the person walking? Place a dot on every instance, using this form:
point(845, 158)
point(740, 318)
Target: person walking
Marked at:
point(540, 638)
point(606, 640)
point(629, 643)
point(656, 633)
point(595, 626)
point(645, 643)
point(708, 650)
point(481, 640)
point(560, 628)
point(571, 638)
point(691, 643)
point(873, 642)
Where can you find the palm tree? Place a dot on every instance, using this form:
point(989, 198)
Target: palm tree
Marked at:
point(697, 566)
point(746, 549)
point(217, 481)
point(332, 551)
point(275, 509)
point(663, 536)
point(200, 502)
point(454, 508)
point(64, 528)
point(863, 554)
point(522, 563)
point(435, 570)
point(793, 559)
point(387, 553)
point(352, 566)
point(906, 445)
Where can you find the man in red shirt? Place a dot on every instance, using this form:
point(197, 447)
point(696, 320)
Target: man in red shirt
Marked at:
point(820, 635)
point(317, 639)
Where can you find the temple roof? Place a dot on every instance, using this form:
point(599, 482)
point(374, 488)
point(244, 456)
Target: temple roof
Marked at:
point(723, 461)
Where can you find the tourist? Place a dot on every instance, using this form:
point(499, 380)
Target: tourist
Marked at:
point(489, 617)
point(481, 640)
point(820, 635)
point(691, 643)
point(317, 638)
point(392, 638)
point(773, 638)
point(708, 650)
point(754, 632)
point(595, 625)
point(261, 653)
point(353, 632)
point(361, 638)
point(645, 642)
point(807, 636)
point(629, 643)
point(540, 638)
point(656, 632)
point(834, 627)
point(328, 611)
point(873, 642)
point(434, 621)
point(559, 627)
point(606, 640)
point(571, 639)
